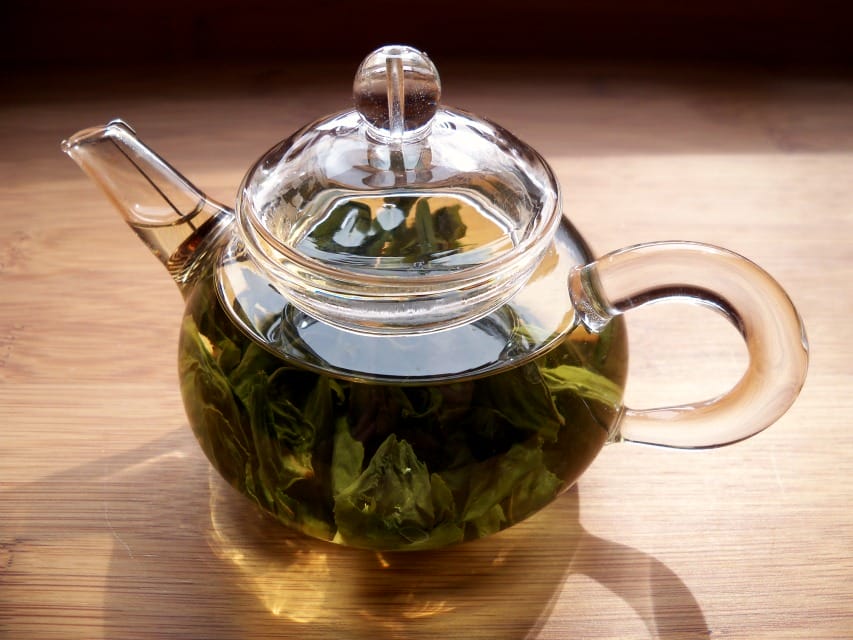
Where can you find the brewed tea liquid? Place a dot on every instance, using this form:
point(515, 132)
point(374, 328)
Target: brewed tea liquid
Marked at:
point(396, 465)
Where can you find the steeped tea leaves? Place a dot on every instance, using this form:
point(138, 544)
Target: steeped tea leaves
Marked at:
point(396, 465)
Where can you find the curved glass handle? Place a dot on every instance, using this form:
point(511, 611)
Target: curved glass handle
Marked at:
point(729, 283)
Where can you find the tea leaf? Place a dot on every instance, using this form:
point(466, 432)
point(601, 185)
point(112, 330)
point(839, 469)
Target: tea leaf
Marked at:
point(490, 522)
point(390, 503)
point(282, 438)
point(583, 382)
point(347, 457)
point(495, 480)
point(448, 224)
point(522, 399)
point(209, 400)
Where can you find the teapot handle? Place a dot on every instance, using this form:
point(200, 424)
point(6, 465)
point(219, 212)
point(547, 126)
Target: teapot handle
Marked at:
point(729, 283)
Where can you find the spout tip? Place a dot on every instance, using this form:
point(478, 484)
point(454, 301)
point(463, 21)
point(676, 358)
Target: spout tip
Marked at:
point(116, 128)
point(118, 122)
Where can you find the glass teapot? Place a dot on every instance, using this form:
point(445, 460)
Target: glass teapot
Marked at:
point(397, 341)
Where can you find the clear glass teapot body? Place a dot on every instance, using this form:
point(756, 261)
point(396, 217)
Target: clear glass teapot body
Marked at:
point(400, 441)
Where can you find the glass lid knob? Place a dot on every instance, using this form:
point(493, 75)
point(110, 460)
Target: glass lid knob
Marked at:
point(397, 92)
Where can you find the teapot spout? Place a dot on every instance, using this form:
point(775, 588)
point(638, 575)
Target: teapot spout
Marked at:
point(175, 220)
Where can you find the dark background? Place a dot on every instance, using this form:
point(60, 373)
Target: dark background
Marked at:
point(109, 33)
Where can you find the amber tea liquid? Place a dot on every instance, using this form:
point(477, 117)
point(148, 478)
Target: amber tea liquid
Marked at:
point(398, 464)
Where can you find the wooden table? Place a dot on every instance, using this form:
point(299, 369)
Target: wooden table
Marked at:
point(113, 526)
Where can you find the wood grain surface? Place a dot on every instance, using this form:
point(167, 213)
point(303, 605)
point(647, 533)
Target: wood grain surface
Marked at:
point(113, 526)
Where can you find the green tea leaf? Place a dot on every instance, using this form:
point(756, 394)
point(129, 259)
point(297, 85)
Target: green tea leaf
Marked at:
point(347, 457)
point(376, 410)
point(488, 523)
point(282, 439)
point(532, 492)
point(390, 503)
point(255, 360)
point(448, 224)
point(229, 355)
point(427, 241)
point(345, 228)
point(583, 382)
point(522, 399)
point(493, 481)
point(210, 401)
point(421, 402)
point(444, 507)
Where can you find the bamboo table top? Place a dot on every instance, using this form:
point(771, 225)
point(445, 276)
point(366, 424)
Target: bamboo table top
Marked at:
point(112, 524)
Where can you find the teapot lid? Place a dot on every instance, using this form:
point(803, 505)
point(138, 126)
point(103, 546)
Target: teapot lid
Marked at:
point(400, 215)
